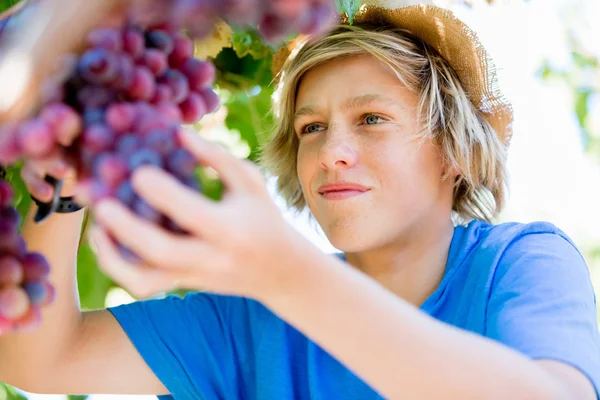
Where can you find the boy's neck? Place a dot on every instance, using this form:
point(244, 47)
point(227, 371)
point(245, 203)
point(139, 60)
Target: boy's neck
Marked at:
point(413, 267)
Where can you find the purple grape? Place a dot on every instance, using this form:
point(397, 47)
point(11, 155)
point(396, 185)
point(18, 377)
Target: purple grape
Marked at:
point(92, 116)
point(178, 83)
point(274, 28)
point(37, 292)
point(98, 66)
point(95, 96)
point(100, 191)
point(162, 141)
point(169, 112)
point(125, 193)
point(162, 94)
point(211, 99)
point(181, 163)
point(161, 40)
point(125, 74)
point(145, 156)
point(98, 138)
point(35, 267)
point(10, 215)
point(128, 144)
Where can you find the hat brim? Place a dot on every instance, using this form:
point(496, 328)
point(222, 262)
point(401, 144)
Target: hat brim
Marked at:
point(454, 41)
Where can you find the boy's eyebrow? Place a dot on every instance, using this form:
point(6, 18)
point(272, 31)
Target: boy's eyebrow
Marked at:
point(354, 102)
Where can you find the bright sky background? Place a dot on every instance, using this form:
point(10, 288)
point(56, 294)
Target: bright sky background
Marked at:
point(550, 177)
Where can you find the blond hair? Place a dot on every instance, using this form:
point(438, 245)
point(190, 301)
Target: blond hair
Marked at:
point(468, 143)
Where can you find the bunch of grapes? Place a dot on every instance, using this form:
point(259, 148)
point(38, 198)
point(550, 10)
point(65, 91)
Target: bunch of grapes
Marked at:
point(124, 99)
point(24, 285)
point(274, 19)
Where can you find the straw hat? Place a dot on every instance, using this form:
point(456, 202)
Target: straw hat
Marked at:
point(452, 39)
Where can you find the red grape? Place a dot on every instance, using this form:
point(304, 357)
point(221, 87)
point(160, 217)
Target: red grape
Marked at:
point(11, 271)
point(120, 117)
point(133, 42)
point(111, 169)
point(200, 74)
point(35, 267)
point(106, 38)
point(63, 120)
point(193, 108)
point(7, 194)
point(35, 139)
point(156, 61)
point(178, 83)
point(14, 302)
point(143, 85)
point(211, 99)
point(98, 138)
point(183, 49)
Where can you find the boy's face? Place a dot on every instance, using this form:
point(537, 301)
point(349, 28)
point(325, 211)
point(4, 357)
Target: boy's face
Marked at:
point(357, 124)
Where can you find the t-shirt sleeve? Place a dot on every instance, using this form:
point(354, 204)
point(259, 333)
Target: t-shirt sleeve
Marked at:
point(543, 304)
point(194, 344)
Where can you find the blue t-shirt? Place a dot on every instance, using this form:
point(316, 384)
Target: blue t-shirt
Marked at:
point(524, 285)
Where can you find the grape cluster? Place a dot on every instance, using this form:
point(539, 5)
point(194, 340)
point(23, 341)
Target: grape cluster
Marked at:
point(274, 19)
point(120, 104)
point(24, 285)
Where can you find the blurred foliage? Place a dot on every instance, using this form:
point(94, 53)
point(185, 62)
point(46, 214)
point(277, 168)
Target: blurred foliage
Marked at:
point(243, 62)
point(583, 79)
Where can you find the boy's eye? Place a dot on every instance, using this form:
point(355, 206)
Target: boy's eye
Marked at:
point(372, 119)
point(310, 128)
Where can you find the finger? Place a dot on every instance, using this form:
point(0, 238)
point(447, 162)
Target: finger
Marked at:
point(191, 210)
point(140, 281)
point(235, 173)
point(149, 241)
point(35, 184)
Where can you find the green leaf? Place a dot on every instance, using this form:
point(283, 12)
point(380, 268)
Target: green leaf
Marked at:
point(350, 7)
point(77, 397)
point(249, 114)
point(93, 285)
point(8, 392)
point(581, 106)
point(6, 4)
